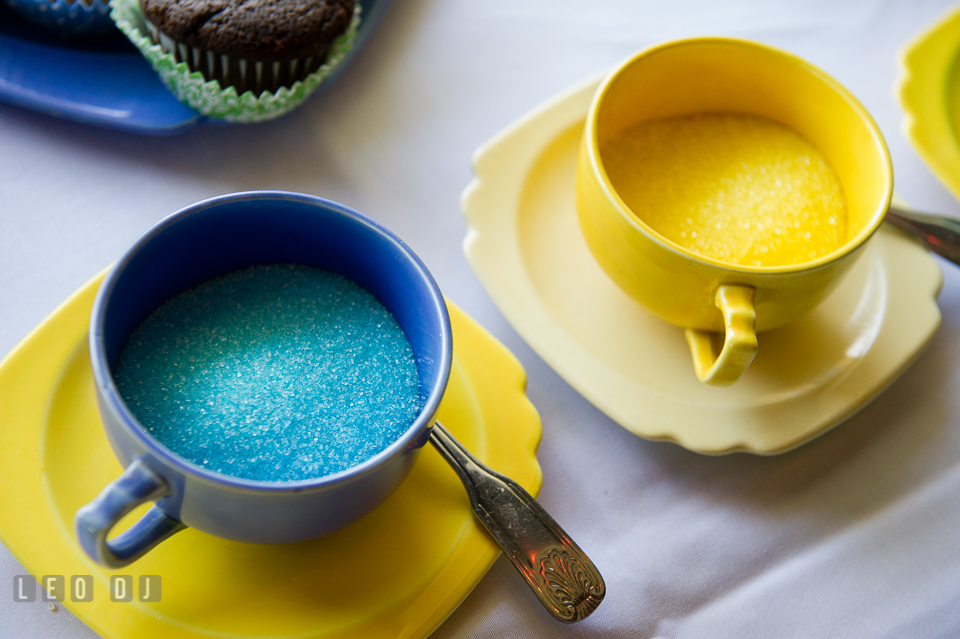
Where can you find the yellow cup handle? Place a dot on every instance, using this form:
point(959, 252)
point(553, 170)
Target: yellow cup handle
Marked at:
point(740, 338)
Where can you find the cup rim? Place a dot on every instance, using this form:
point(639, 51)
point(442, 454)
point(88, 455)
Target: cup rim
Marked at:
point(110, 392)
point(599, 171)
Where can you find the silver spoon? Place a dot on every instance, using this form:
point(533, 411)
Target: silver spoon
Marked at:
point(562, 576)
point(941, 234)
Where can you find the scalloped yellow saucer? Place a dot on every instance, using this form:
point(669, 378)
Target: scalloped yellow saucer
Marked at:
point(525, 245)
point(399, 572)
point(929, 91)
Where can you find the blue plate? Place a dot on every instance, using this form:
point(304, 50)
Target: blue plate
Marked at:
point(106, 81)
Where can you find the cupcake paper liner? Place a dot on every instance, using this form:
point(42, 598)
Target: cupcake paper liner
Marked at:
point(243, 75)
point(72, 19)
point(207, 96)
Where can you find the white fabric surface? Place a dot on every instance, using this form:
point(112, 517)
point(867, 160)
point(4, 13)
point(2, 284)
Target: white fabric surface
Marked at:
point(856, 534)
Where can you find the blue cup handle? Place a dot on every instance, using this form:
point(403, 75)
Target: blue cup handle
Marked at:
point(137, 485)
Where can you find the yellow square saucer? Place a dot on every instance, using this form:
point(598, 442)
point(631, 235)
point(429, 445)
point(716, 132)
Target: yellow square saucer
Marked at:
point(928, 85)
point(399, 572)
point(525, 245)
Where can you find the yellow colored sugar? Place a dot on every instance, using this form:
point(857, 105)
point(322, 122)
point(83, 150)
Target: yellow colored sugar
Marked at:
point(738, 188)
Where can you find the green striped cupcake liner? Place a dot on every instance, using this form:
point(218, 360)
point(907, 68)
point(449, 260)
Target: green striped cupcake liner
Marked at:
point(207, 96)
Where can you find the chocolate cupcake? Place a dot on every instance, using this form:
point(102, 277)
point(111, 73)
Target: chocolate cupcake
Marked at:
point(241, 60)
point(252, 45)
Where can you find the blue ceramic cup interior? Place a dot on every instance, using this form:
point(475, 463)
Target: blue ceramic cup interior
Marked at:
point(201, 242)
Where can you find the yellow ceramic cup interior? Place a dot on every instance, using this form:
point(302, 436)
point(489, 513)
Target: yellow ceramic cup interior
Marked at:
point(705, 295)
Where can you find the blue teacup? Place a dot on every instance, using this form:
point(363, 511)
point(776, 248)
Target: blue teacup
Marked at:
point(209, 239)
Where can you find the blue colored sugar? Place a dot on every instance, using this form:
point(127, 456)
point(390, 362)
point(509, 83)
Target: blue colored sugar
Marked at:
point(273, 373)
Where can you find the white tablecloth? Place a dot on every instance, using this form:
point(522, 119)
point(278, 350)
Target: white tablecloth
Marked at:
point(856, 534)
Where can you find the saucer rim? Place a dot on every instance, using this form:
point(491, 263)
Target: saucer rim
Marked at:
point(925, 65)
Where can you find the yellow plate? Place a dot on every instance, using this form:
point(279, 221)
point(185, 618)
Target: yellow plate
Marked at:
point(929, 90)
point(525, 245)
point(399, 572)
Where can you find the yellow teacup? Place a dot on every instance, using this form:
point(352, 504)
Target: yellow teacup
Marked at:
point(703, 294)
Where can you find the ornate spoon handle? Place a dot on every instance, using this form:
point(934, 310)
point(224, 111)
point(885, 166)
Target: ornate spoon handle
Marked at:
point(941, 234)
point(562, 576)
